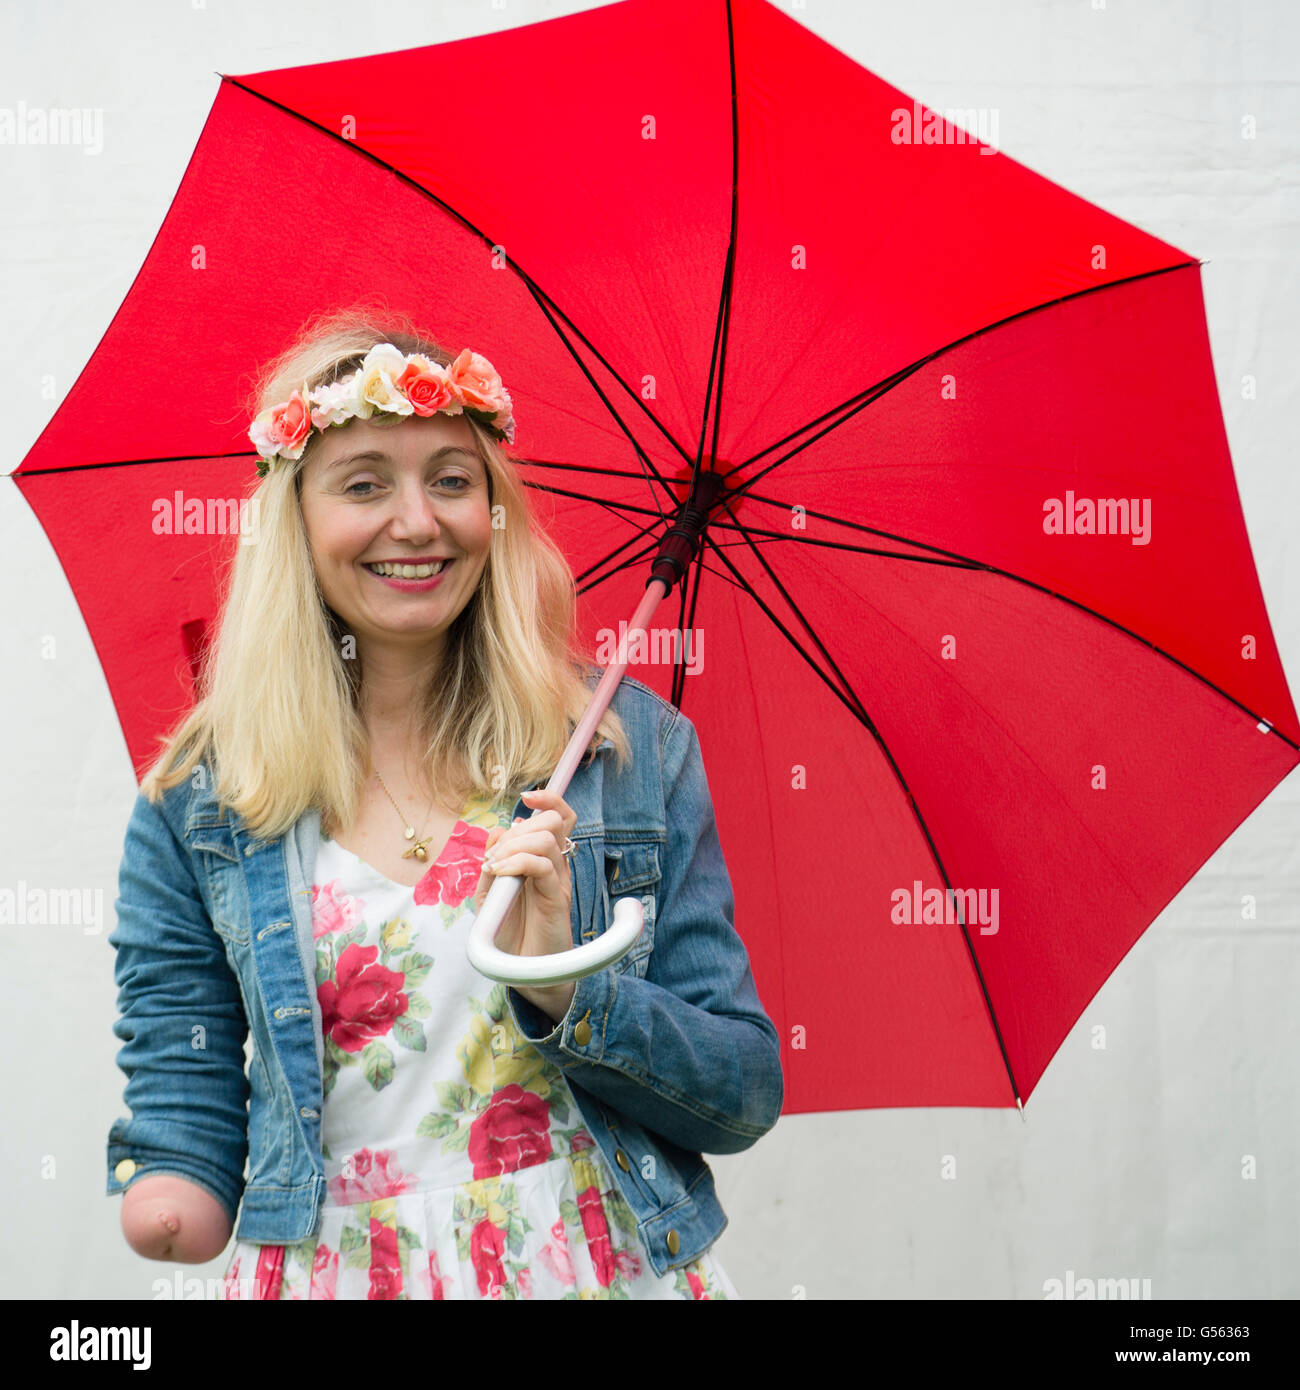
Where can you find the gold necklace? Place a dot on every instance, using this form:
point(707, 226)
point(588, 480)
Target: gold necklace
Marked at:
point(419, 849)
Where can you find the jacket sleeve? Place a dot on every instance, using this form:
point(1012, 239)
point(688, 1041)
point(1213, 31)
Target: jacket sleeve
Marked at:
point(182, 1022)
point(686, 1051)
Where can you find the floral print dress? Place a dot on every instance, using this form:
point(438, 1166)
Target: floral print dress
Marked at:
point(456, 1160)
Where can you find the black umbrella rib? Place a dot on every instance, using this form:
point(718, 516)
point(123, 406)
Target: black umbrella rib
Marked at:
point(539, 295)
point(959, 561)
point(641, 533)
point(582, 468)
point(777, 536)
point(641, 554)
point(27, 475)
point(685, 623)
point(644, 459)
point(636, 559)
point(849, 408)
point(599, 501)
point(798, 612)
point(855, 708)
point(888, 383)
point(722, 328)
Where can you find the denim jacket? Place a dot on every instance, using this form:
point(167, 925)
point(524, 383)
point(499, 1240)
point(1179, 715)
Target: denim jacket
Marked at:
point(668, 1052)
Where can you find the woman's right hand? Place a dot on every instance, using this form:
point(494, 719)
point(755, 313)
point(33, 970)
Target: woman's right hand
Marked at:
point(167, 1217)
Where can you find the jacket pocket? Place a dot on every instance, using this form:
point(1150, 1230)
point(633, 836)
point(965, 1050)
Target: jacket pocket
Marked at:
point(217, 868)
point(632, 870)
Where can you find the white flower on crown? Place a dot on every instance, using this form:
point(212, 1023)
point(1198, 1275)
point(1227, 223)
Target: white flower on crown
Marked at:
point(334, 403)
point(377, 378)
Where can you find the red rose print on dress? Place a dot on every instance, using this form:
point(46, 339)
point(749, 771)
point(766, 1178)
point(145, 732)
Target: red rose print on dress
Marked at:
point(324, 1272)
point(456, 874)
point(365, 1000)
point(230, 1288)
point(597, 1232)
point(374, 1177)
point(332, 910)
point(385, 1267)
point(487, 1244)
point(697, 1286)
point(270, 1272)
point(435, 1281)
point(513, 1132)
point(554, 1255)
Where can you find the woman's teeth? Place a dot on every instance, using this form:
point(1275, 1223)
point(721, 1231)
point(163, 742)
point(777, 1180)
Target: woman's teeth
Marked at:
point(407, 571)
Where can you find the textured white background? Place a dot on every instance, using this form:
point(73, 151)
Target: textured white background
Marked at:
point(1129, 1161)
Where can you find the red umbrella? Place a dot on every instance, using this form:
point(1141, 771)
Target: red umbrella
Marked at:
point(975, 609)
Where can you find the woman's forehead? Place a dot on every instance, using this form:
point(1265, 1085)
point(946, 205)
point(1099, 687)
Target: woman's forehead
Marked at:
point(413, 438)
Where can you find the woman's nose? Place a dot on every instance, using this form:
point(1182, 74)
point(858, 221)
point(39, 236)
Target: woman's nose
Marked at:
point(415, 513)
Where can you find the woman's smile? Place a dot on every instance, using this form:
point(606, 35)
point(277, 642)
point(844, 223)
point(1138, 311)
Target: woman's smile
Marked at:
point(409, 576)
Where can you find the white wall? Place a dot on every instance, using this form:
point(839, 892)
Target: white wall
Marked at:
point(1129, 1163)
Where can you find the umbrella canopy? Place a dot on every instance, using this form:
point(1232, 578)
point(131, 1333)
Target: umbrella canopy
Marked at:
point(976, 608)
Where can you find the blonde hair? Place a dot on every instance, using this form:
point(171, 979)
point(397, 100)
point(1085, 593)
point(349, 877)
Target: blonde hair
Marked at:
point(277, 713)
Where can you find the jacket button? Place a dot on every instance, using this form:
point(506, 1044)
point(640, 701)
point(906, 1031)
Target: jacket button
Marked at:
point(582, 1033)
point(673, 1243)
point(622, 1161)
point(124, 1170)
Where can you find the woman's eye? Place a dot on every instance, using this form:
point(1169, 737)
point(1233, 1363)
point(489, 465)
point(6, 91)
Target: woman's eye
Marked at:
point(458, 484)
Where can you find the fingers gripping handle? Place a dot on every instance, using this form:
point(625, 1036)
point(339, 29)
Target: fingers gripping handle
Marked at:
point(629, 915)
point(562, 966)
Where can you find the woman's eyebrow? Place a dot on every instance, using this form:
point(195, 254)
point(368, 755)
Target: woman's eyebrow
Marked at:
point(378, 456)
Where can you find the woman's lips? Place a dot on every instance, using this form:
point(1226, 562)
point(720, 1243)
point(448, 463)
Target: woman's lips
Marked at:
point(411, 586)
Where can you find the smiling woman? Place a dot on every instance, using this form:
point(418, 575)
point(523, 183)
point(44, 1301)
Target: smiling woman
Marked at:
point(488, 643)
point(395, 663)
point(386, 526)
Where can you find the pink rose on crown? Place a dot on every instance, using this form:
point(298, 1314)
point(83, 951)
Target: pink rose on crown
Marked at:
point(456, 874)
point(425, 386)
point(284, 428)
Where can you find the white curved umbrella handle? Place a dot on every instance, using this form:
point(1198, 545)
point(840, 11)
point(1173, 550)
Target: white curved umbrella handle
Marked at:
point(562, 966)
point(629, 914)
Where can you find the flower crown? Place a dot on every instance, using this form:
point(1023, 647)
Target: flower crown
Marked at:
point(386, 380)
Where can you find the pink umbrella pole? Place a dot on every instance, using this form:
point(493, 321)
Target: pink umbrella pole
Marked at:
point(675, 555)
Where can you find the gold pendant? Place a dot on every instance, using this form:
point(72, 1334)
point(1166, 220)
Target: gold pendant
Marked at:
point(418, 850)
